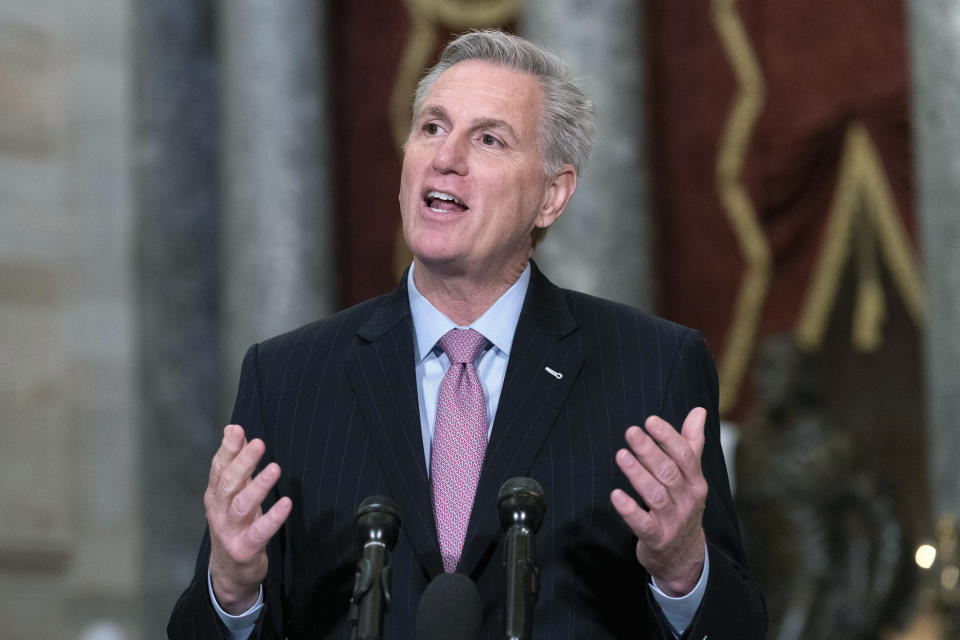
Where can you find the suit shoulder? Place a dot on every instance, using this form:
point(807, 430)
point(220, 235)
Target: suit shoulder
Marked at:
point(339, 329)
point(604, 314)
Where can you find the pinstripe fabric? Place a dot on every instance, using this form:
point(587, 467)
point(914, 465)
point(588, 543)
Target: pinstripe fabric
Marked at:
point(336, 404)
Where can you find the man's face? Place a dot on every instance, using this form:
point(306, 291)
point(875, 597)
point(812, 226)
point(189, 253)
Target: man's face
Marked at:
point(473, 187)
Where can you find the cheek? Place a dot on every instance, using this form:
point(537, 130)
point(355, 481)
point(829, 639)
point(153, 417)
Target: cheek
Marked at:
point(409, 170)
point(407, 196)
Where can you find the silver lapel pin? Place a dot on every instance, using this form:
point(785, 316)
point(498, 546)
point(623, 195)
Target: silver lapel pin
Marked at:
point(555, 374)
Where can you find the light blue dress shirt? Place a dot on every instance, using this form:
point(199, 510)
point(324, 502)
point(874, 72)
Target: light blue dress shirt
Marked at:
point(497, 325)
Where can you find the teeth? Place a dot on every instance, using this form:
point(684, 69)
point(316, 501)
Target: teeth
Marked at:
point(440, 195)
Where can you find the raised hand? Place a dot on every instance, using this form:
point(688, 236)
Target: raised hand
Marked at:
point(664, 468)
point(239, 530)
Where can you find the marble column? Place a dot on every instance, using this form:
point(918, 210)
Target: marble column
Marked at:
point(934, 31)
point(601, 244)
point(277, 266)
point(175, 177)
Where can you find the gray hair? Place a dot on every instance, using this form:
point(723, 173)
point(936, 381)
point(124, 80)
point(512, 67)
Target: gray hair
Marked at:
point(568, 122)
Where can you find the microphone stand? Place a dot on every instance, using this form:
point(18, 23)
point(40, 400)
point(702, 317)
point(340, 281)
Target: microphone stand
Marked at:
point(521, 509)
point(377, 526)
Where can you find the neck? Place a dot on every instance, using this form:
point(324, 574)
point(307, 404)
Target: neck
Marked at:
point(464, 297)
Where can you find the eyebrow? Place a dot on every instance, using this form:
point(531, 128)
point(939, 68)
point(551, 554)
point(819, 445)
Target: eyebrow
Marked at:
point(436, 111)
point(495, 123)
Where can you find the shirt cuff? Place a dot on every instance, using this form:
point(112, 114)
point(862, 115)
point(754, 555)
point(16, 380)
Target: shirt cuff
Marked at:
point(241, 626)
point(679, 611)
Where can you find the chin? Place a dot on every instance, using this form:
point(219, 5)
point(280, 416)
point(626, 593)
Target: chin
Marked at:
point(437, 259)
point(433, 248)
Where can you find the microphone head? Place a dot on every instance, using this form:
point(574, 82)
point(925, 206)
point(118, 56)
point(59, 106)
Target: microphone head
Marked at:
point(378, 520)
point(520, 501)
point(449, 608)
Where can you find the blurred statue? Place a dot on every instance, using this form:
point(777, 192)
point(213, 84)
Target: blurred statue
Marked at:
point(823, 540)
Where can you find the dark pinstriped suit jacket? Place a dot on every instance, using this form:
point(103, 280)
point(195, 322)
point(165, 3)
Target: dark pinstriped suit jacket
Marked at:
point(336, 403)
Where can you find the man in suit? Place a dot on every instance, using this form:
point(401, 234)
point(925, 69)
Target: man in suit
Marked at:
point(639, 540)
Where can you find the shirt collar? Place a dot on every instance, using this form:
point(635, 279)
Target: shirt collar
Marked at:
point(497, 324)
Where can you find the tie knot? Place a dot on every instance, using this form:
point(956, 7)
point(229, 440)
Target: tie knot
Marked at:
point(462, 346)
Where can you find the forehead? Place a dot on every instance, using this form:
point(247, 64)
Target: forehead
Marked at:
point(478, 89)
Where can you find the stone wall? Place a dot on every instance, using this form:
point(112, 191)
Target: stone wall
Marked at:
point(68, 535)
point(934, 27)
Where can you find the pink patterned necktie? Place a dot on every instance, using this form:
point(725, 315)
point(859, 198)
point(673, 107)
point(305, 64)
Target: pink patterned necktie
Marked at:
point(459, 442)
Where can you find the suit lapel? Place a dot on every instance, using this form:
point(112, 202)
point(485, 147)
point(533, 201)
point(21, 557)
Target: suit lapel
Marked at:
point(528, 407)
point(381, 372)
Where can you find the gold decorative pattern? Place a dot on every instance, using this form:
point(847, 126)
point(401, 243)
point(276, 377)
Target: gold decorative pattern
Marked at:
point(734, 140)
point(425, 15)
point(864, 216)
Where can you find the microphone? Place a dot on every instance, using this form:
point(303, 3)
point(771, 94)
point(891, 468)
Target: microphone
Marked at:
point(377, 526)
point(449, 608)
point(521, 507)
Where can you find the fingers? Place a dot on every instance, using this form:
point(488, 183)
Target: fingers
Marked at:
point(693, 429)
point(234, 476)
point(238, 472)
point(683, 449)
point(239, 531)
point(662, 465)
point(655, 457)
point(233, 496)
point(263, 528)
point(643, 525)
point(233, 441)
point(652, 490)
point(249, 498)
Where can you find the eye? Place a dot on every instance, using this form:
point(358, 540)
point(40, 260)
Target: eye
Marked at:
point(431, 128)
point(490, 141)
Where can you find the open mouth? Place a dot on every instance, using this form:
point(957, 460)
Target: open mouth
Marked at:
point(444, 202)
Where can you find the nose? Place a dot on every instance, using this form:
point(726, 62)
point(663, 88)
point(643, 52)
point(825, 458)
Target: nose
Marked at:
point(451, 155)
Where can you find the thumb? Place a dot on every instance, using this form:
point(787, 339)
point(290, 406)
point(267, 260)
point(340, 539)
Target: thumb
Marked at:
point(693, 428)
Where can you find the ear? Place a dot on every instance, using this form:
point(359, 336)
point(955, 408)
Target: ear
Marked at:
point(559, 190)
